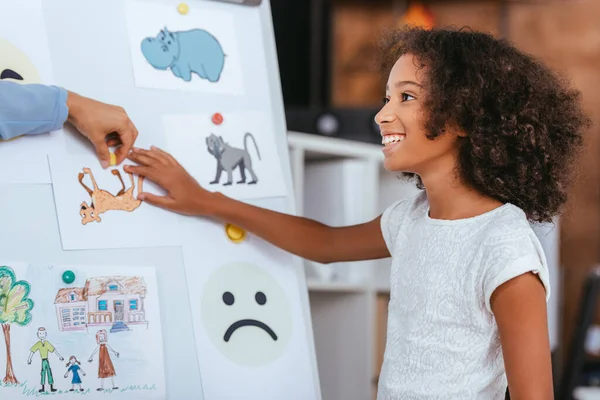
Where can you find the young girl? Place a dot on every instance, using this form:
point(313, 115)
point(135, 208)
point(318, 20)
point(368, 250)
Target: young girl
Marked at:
point(74, 367)
point(490, 135)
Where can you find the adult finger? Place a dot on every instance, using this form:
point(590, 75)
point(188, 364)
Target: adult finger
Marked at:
point(127, 137)
point(113, 142)
point(102, 150)
point(160, 201)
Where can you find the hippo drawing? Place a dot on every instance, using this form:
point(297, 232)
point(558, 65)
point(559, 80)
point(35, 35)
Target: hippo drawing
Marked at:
point(185, 52)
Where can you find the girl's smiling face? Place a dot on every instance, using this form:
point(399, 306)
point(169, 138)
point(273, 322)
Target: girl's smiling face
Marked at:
point(401, 121)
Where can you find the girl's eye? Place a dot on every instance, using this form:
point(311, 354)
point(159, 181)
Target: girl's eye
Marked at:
point(405, 97)
point(385, 100)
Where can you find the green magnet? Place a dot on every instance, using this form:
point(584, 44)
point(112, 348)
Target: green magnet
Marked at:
point(68, 277)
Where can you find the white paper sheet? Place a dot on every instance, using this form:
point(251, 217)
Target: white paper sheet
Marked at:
point(250, 331)
point(245, 135)
point(196, 51)
point(123, 221)
point(120, 302)
point(24, 50)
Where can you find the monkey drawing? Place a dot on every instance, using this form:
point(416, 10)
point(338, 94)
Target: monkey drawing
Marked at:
point(229, 157)
point(102, 201)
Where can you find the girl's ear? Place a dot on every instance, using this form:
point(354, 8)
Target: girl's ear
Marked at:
point(454, 130)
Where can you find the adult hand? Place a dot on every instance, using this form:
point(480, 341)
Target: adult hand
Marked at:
point(104, 125)
point(184, 194)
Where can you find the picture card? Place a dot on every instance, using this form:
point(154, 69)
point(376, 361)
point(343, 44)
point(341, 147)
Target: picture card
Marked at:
point(191, 49)
point(25, 59)
point(97, 336)
point(247, 314)
point(233, 153)
point(98, 208)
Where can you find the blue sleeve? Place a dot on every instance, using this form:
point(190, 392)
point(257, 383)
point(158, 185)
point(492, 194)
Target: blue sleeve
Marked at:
point(31, 109)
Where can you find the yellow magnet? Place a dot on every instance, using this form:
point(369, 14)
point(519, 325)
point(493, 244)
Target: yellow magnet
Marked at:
point(113, 159)
point(235, 233)
point(183, 8)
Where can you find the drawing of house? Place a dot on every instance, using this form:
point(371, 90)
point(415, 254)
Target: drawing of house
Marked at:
point(115, 301)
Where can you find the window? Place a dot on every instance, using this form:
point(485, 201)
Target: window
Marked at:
point(102, 305)
point(133, 305)
point(66, 316)
point(113, 287)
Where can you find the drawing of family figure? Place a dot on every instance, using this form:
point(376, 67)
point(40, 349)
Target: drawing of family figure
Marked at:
point(105, 365)
point(44, 347)
point(74, 367)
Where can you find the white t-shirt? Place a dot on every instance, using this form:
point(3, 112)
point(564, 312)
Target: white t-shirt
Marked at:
point(442, 338)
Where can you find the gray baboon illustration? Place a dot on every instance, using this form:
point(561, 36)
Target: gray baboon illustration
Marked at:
point(229, 157)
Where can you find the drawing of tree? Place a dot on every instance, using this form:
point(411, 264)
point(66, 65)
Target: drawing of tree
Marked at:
point(15, 308)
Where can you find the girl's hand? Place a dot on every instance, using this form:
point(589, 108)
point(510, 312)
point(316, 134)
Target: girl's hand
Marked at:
point(83, 373)
point(90, 360)
point(184, 194)
point(67, 374)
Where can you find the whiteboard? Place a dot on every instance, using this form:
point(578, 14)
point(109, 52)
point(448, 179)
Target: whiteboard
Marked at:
point(90, 54)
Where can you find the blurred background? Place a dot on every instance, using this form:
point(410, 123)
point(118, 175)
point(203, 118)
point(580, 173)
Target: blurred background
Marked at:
point(332, 90)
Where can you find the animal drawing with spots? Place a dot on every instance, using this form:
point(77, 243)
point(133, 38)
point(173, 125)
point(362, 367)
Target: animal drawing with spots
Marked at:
point(102, 200)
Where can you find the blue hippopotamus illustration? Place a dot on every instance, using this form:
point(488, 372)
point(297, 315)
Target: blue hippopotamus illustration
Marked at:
point(185, 52)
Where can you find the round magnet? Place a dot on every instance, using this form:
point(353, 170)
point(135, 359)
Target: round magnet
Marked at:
point(235, 233)
point(68, 277)
point(217, 119)
point(183, 8)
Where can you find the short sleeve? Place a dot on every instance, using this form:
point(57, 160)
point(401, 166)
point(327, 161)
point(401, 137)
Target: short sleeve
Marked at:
point(511, 257)
point(391, 219)
point(50, 347)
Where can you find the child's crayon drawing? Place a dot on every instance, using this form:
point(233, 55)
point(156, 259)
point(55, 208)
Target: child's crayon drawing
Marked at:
point(91, 337)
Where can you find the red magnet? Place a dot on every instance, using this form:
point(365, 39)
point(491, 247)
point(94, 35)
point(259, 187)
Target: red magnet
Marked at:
point(217, 119)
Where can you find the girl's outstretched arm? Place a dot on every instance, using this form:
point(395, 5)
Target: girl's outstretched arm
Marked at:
point(298, 235)
point(519, 306)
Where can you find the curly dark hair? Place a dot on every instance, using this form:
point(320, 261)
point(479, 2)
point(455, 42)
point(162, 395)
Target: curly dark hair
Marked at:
point(523, 123)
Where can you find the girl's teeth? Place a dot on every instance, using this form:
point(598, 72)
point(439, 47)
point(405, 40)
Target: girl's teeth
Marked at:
point(389, 139)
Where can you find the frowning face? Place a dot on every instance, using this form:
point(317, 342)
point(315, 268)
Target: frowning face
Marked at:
point(246, 314)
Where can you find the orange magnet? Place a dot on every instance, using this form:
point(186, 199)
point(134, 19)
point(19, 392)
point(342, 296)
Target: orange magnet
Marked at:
point(217, 119)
